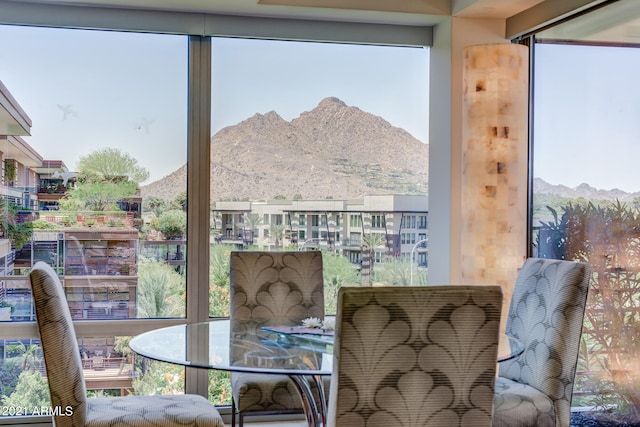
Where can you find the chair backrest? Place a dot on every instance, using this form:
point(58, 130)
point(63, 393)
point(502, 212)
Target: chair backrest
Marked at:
point(59, 347)
point(280, 288)
point(415, 356)
point(546, 313)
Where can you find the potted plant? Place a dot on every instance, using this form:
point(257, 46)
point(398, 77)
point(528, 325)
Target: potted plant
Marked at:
point(10, 171)
point(5, 308)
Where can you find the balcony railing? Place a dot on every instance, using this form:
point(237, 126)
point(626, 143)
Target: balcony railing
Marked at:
point(105, 372)
point(52, 189)
point(24, 189)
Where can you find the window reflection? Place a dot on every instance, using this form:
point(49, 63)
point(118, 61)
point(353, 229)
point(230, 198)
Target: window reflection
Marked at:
point(91, 125)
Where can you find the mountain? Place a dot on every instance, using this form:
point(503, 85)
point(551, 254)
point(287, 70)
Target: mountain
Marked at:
point(334, 150)
point(583, 190)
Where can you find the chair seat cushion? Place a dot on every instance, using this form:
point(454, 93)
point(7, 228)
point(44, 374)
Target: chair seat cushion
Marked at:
point(520, 405)
point(265, 392)
point(157, 411)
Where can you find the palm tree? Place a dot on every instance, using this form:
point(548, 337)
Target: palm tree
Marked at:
point(370, 242)
point(277, 231)
point(30, 356)
point(252, 221)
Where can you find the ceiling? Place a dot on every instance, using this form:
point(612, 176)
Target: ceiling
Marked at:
point(410, 12)
point(618, 23)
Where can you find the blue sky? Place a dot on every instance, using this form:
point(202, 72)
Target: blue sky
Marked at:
point(128, 91)
point(587, 116)
point(293, 77)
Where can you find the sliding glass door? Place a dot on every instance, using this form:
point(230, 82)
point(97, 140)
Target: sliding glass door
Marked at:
point(585, 190)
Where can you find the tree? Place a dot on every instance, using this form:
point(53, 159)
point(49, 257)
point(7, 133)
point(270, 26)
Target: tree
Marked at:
point(172, 224)
point(99, 196)
point(9, 372)
point(19, 233)
point(105, 177)
point(30, 356)
point(370, 242)
point(112, 165)
point(606, 236)
point(219, 280)
point(31, 392)
point(161, 290)
point(180, 202)
point(9, 170)
point(337, 271)
point(155, 205)
point(250, 222)
point(397, 272)
point(159, 378)
point(277, 231)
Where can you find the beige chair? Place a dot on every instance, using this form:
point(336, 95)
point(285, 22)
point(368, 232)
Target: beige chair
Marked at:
point(63, 364)
point(272, 288)
point(415, 356)
point(546, 313)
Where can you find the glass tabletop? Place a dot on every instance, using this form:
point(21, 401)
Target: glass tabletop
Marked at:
point(509, 347)
point(236, 346)
point(252, 347)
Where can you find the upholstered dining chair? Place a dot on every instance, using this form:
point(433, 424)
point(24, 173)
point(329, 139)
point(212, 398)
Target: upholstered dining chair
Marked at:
point(415, 356)
point(65, 378)
point(272, 288)
point(545, 313)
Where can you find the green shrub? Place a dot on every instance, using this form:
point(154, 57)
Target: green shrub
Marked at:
point(607, 236)
point(41, 224)
point(172, 224)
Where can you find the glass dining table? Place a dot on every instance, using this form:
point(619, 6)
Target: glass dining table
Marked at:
point(240, 346)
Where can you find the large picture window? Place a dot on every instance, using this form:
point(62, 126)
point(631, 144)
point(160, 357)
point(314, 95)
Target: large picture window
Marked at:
point(82, 190)
point(585, 204)
point(94, 178)
point(303, 138)
point(298, 129)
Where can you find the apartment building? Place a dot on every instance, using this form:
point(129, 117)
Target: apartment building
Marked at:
point(393, 224)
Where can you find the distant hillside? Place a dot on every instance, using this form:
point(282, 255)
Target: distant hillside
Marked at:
point(583, 190)
point(333, 150)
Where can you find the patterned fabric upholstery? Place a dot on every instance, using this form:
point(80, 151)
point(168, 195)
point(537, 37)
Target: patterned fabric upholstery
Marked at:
point(415, 356)
point(66, 380)
point(546, 313)
point(272, 288)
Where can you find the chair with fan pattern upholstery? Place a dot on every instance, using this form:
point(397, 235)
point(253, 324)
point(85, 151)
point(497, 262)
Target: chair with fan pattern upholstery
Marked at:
point(65, 378)
point(415, 356)
point(267, 289)
point(546, 313)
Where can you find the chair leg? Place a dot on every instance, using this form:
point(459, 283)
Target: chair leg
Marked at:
point(233, 413)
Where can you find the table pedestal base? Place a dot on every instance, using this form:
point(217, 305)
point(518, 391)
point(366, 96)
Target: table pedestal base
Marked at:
point(316, 416)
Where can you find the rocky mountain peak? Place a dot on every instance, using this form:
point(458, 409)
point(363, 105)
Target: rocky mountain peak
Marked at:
point(269, 119)
point(331, 101)
point(583, 190)
point(334, 150)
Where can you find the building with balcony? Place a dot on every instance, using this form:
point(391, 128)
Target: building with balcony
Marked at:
point(54, 179)
point(342, 226)
point(98, 266)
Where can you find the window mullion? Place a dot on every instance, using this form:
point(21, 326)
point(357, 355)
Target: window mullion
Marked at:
point(198, 184)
